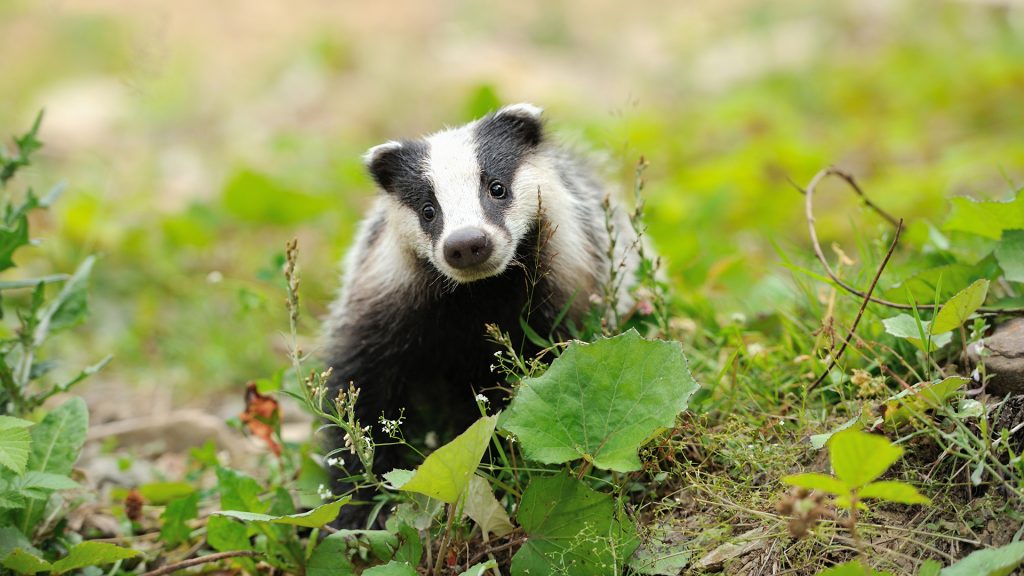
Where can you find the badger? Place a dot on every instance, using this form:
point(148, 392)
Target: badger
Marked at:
point(485, 223)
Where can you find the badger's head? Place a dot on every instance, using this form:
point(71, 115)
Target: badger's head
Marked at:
point(464, 198)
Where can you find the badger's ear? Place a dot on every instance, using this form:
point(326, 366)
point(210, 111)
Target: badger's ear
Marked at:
point(524, 121)
point(385, 163)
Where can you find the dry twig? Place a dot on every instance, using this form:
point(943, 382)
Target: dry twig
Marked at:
point(809, 214)
point(172, 568)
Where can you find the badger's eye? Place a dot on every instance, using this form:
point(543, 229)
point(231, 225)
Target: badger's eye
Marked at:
point(428, 212)
point(497, 190)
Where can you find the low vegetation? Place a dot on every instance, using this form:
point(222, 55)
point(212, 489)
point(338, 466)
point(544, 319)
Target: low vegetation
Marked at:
point(651, 444)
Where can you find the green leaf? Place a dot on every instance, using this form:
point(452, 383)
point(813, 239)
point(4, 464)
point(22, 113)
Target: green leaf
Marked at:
point(38, 485)
point(330, 558)
point(399, 477)
point(990, 562)
point(859, 457)
point(905, 326)
point(601, 401)
point(480, 569)
point(314, 518)
point(485, 510)
point(959, 308)
point(239, 492)
point(56, 444)
point(225, 535)
point(15, 442)
point(988, 219)
point(445, 474)
point(1010, 255)
point(930, 568)
point(815, 481)
point(165, 492)
point(175, 517)
point(24, 562)
point(893, 491)
point(91, 554)
point(11, 539)
point(391, 569)
point(12, 237)
point(572, 530)
point(920, 398)
point(851, 568)
point(71, 307)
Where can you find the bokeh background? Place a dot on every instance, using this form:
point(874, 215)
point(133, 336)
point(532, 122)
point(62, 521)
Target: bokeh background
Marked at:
point(198, 137)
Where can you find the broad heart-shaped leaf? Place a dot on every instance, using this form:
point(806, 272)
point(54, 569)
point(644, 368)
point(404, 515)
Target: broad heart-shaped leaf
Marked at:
point(815, 481)
point(990, 562)
point(893, 491)
point(91, 554)
point(572, 530)
point(905, 326)
point(445, 474)
point(14, 443)
point(1010, 254)
point(485, 510)
point(987, 219)
point(601, 401)
point(920, 398)
point(859, 457)
point(56, 443)
point(959, 308)
point(314, 518)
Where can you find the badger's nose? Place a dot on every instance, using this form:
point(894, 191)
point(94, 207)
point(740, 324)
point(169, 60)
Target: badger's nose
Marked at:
point(467, 247)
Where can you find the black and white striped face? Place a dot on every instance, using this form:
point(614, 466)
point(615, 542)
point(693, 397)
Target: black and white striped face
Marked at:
point(465, 198)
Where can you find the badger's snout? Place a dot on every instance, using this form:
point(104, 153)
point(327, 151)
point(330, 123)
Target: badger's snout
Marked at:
point(467, 247)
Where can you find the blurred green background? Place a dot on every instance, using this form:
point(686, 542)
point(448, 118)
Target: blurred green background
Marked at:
point(198, 137)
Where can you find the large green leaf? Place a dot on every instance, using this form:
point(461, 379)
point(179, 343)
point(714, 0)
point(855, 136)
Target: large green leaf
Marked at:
point(56, 444)
point(987, 219)
point(852, 568)
point(224, 535)
point(859, 457)
point(990, 562)
point(446, 473)
point(572, 530)
point(15, 442)
point(314, 518)
point(959, 308)
point(1010, 254)
point(91, 554)
point(330, 558)
point(601, 401)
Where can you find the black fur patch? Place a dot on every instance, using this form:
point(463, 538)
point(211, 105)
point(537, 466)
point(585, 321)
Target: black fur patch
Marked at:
point(400, 172)
point(503, 141)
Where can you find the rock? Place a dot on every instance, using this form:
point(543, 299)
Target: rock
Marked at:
point(1005, 360)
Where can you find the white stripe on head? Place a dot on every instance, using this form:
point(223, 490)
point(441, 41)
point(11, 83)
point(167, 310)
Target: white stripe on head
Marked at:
point(455, 172)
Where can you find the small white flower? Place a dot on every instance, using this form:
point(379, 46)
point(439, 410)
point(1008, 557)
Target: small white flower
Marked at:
point(482, 399)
